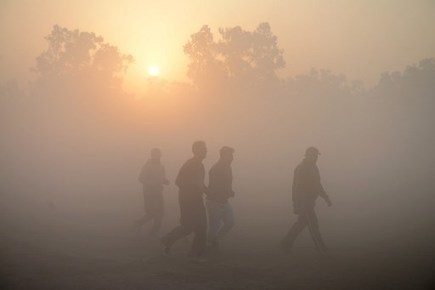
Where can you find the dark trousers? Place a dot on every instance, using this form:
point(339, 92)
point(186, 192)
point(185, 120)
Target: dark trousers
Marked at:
point(305, 219)
point(193, 220)
point(154, 210)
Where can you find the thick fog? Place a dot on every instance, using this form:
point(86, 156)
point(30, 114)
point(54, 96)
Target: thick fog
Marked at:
point(74, 140)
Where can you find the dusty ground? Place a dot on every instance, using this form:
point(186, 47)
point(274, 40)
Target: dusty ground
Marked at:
point(57, 251)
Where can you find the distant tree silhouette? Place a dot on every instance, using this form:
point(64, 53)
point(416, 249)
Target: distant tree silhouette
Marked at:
point(253, 55)
point(238, 57)
point(236, 50)
point(415, 80)
point(78, 85)
point(75, 55)
point(321, 84)
point(9, 89)
point(409, 95)
point(399, 112)
point(205, 65)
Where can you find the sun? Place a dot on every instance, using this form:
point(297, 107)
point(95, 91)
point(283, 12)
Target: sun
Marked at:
point(153, 71)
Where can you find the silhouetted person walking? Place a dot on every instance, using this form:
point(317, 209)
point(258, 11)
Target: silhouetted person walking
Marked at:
point(220, 213)
point(190, 181)
point(306, 189)
point(153, 178)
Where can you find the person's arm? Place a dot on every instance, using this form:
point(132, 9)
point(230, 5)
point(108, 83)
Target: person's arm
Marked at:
point(165, 179)
point(220, 180)
point(295, 190)
point(187, 177)
point(226, 181)
point(322, 192)
point(230, 183)
point(142, 174)
point(326, 198)
point(181, 180)
point(205, 189)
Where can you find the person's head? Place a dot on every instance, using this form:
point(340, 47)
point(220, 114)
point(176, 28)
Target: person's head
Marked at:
point(199, 149)
point(156, 154)
point(226, 154)
point(312, 154)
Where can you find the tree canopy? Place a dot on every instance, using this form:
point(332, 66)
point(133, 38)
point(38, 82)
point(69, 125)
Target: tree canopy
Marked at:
point(238, 56)
point(81, 55)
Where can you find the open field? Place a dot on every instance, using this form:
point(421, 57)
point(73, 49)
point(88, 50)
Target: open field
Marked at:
point(51, 249)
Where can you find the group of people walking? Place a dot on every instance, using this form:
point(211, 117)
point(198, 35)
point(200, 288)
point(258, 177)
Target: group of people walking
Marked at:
point(217, 210)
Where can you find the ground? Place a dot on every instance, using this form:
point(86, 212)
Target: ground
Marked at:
point(59, 251)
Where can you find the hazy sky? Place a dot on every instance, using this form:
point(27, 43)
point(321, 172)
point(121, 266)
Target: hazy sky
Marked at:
point(358, 38)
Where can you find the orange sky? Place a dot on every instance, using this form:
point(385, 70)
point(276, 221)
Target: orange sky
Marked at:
point(358, 38)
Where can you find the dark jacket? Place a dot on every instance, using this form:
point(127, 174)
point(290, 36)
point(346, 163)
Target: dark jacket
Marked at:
point(306, 186)
point(153, 176)
point(190, 179)
point(220, 183)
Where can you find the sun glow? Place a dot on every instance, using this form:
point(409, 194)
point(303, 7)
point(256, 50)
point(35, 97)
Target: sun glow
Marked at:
point(153, 71)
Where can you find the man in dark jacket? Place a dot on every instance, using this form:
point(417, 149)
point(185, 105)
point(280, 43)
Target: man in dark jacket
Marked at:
point(153, 178)
point(190, 181)
point(306, 189)
point(220, 213)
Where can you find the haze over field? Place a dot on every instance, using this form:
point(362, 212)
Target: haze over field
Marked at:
point(88, 89)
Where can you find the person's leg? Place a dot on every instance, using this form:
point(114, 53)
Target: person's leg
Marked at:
point(313, 224)
point(200, 232)
point(214, 220)
point(185, 228)
point(158, 220)
point(157, 213)
point(227, 220)
point(294, 231)
point(147, 216)
point(144, 219)
point(177, 233)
